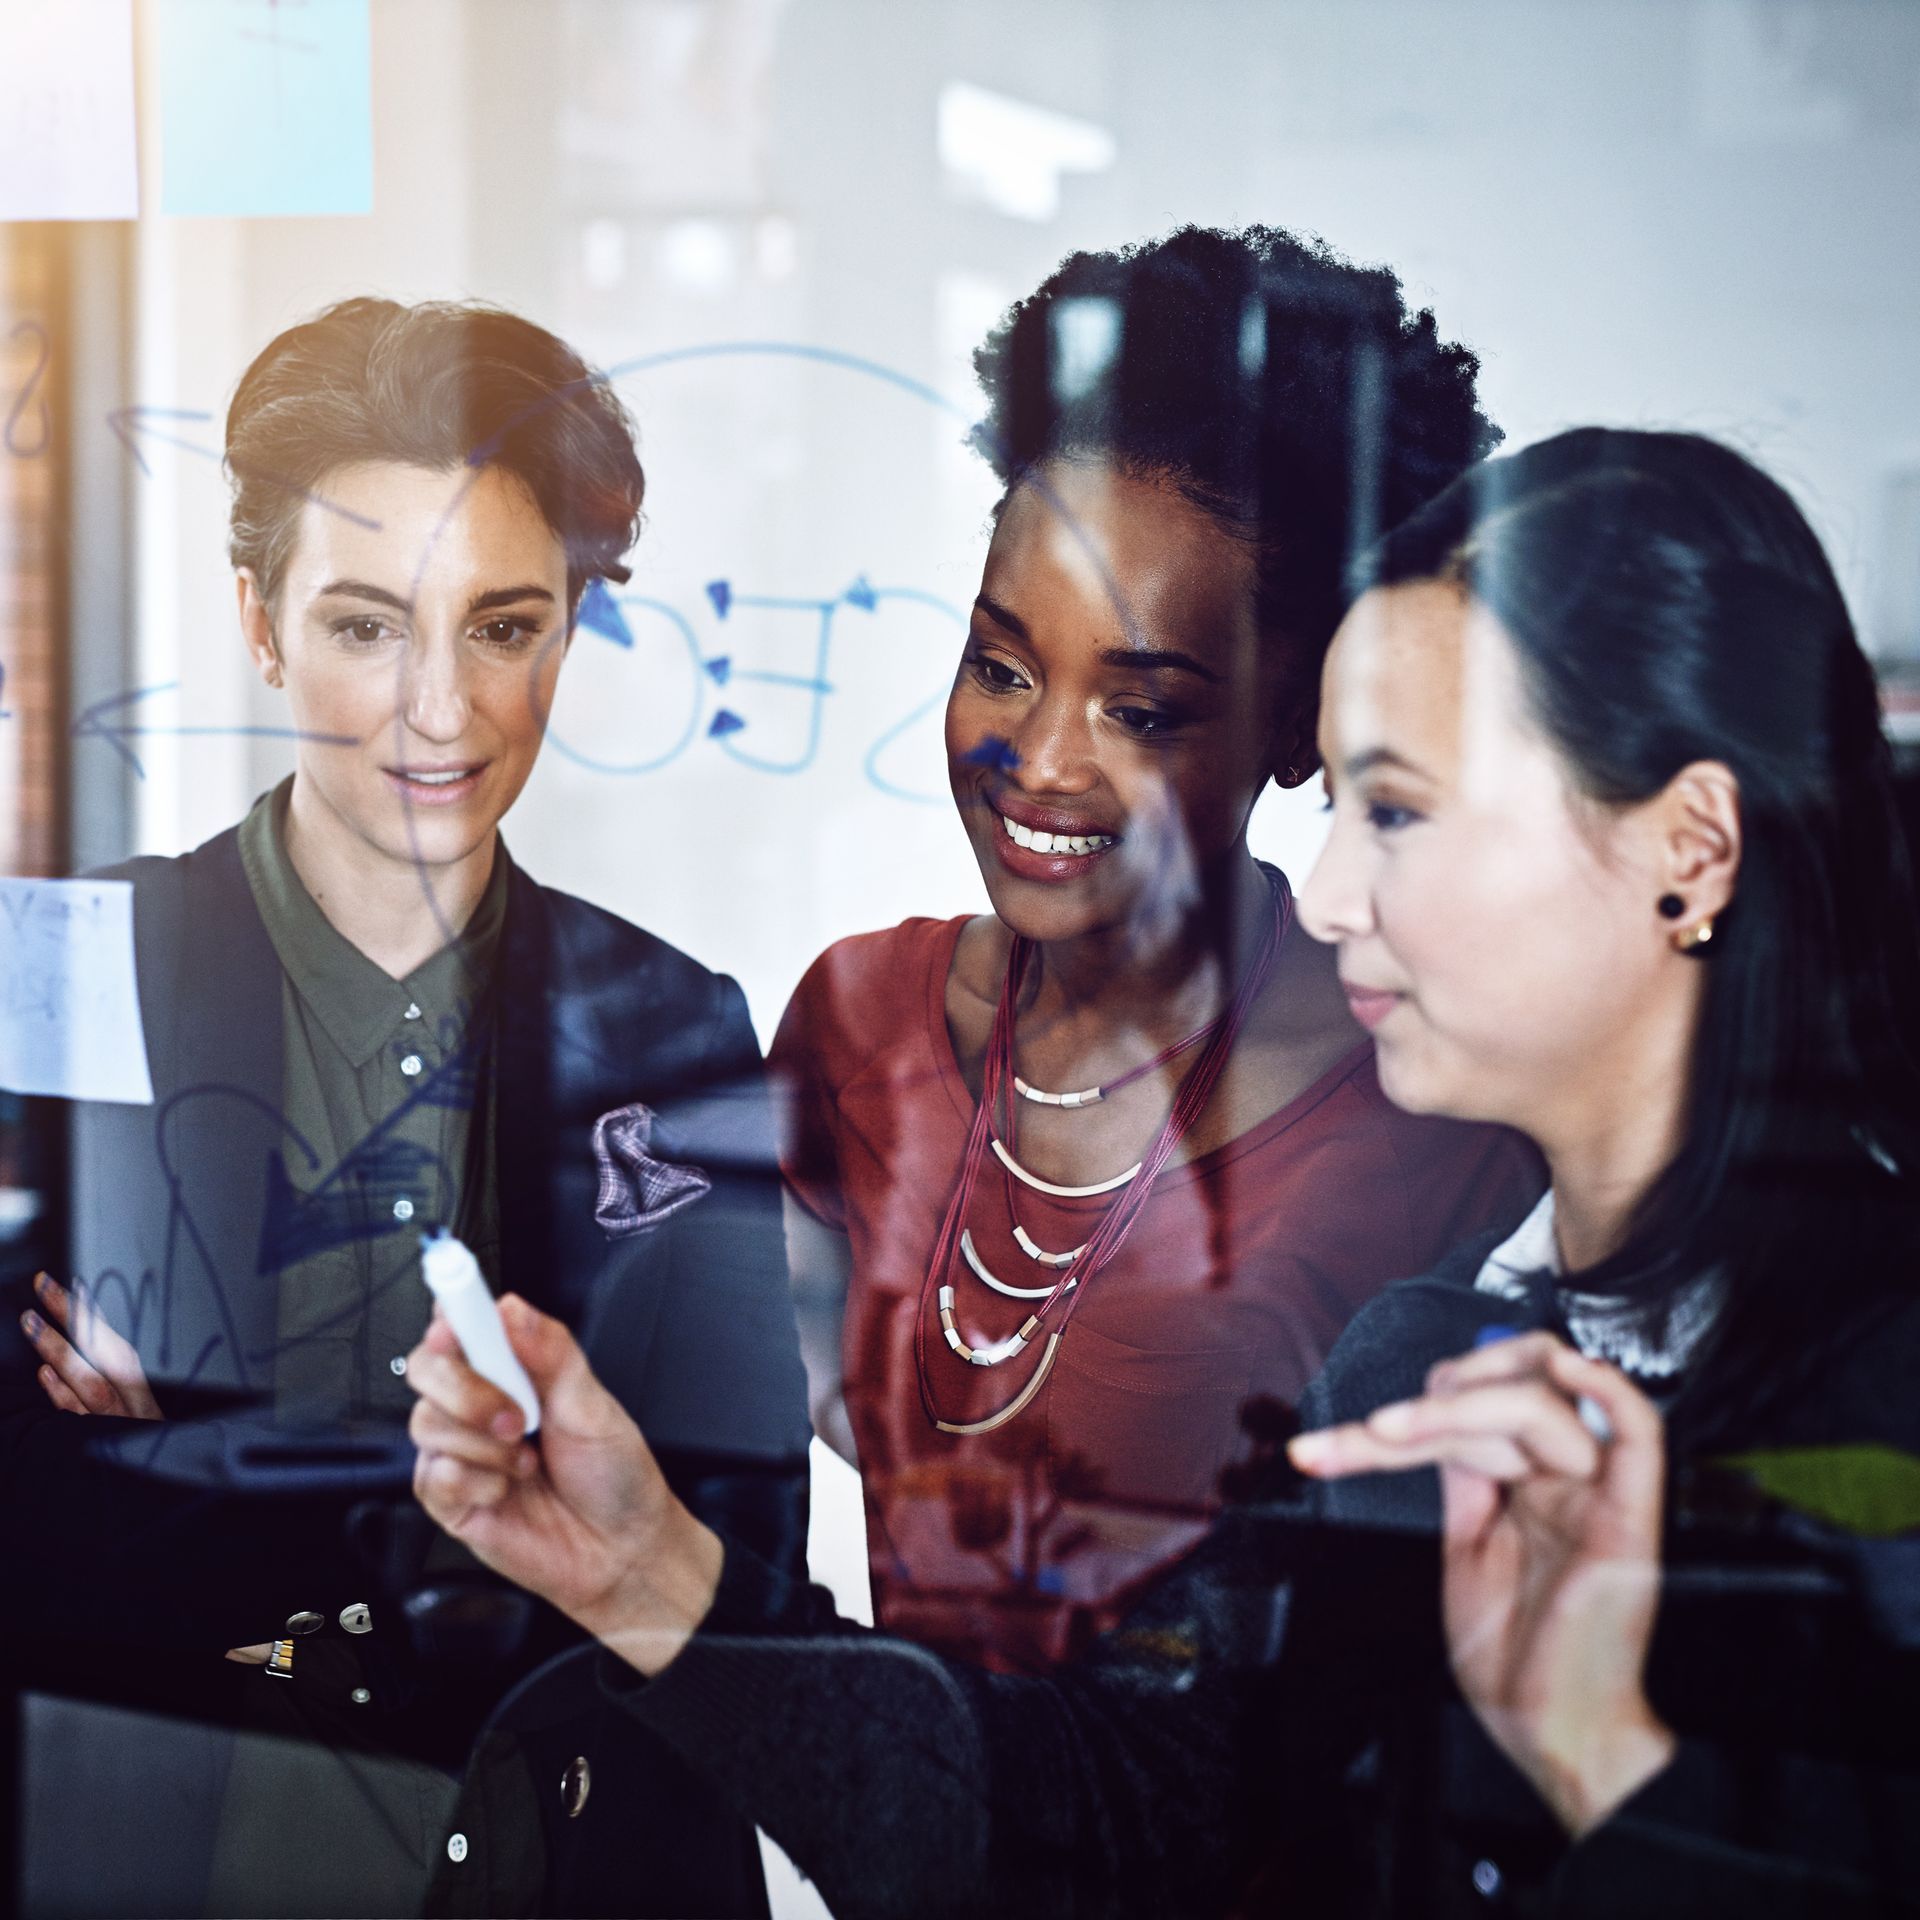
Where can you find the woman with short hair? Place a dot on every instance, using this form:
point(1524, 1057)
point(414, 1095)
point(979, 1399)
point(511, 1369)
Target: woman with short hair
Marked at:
point(365, 1019)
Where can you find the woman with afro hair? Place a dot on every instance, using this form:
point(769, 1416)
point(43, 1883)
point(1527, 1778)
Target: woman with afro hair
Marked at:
point(1081, 1190)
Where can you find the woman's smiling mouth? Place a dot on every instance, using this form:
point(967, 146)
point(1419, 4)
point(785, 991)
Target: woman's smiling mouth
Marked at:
point(435, 786)
point(1074, 843)
point(1049, 845)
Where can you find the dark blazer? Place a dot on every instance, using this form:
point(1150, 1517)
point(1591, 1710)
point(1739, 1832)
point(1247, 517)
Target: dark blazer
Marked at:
point(211, 1529)
point(1275, 1728)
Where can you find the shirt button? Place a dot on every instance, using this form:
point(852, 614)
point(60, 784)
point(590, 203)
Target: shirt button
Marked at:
point(398, 1364)
point(410, 1065)
point(413, 1010)
point(1486, 1878)
point(456, 1847)
point(305, 1622)
point(361, 1695)
point(403, 1208)
point(575, 1784)
point(357, 1618)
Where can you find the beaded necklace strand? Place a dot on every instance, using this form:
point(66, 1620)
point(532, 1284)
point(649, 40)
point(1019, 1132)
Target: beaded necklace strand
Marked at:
point(1092, 1096)
point(1114, 1225)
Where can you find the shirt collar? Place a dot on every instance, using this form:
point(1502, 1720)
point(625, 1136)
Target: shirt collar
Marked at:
point(1652, 1346)
point(1528, 1249)
point(357, 1003)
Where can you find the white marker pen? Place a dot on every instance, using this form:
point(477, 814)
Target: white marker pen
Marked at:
point(454, 1277)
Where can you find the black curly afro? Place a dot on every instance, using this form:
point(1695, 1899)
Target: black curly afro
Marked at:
point(1285, 390)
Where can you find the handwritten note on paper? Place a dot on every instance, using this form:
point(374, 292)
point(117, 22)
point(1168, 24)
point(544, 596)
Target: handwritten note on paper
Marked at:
point(69, 1003)
point(266, 106)
point(66, 112)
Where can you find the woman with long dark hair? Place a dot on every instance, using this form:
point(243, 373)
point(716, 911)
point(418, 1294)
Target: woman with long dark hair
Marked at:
point(1614, 860)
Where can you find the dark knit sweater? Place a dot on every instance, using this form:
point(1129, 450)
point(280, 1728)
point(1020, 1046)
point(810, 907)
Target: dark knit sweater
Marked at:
point(1275, 1727)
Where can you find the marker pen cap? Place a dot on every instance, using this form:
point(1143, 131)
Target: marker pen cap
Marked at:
point(455, 1279)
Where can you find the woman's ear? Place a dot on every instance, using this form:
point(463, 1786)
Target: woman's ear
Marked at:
point(1296, 751)
point(1699, 828)
point(256, 628)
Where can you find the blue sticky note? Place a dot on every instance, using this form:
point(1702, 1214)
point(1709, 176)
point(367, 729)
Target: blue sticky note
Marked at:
point(266, 106)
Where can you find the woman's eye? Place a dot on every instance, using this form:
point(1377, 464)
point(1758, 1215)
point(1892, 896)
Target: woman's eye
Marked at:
point(505, 633)
point(363, 630)
point(1000, 676)
point(1384, 817)
point(1146, 723)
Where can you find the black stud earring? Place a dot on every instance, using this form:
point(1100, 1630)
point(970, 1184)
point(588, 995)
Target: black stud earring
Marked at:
point(1671, 906)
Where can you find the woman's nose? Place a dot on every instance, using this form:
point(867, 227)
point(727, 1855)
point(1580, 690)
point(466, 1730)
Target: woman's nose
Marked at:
point(1336, 903)
point(1056, 749)
point(437, 704)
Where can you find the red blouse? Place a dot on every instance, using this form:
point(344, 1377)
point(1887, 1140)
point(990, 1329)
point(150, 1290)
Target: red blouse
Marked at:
point(1013, 1548)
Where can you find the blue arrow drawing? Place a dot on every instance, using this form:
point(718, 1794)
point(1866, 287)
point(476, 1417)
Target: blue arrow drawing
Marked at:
point(94, 723)
point(125, 422)
point(600, 612)
point(128, 422)
point(725, 673)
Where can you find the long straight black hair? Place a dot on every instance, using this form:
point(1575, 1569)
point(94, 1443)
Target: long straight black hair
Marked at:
point(1670, 604)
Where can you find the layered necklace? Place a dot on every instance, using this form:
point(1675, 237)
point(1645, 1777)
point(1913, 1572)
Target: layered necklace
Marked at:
point(1001, 1092)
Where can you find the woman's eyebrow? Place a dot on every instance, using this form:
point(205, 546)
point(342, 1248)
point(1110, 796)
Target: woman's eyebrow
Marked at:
point(1002, 616)
point(1136, 659)
point(363, 590)
point(1156, 660)
point(507, 597)
point(480, 603)
point(1373, 757)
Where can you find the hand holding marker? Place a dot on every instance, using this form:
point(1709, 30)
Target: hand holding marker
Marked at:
point(1593, 1416)
point(454, 1277)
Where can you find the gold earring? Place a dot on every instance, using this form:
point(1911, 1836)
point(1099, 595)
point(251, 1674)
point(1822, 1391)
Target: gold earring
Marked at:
point(1692, 939)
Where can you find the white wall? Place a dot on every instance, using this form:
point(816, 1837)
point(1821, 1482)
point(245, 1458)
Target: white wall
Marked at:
point(1692, 211)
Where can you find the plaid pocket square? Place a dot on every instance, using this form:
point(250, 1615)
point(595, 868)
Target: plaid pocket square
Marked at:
point(637, 1190)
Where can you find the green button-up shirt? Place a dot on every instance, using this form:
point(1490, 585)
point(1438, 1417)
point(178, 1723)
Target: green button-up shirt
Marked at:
point(387, 1094)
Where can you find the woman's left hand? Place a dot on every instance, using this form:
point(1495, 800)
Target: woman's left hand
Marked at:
point(86, 1367)
point(1551, 1555)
